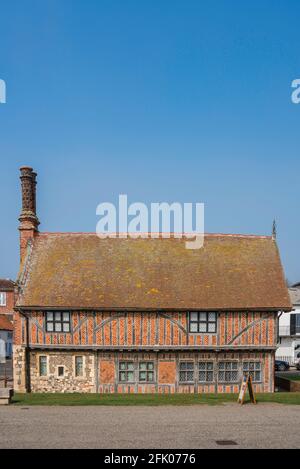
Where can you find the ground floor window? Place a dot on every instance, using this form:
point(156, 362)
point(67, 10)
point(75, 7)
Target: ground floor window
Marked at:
point(126, 372)
point(43, 365)
point(78, 366)
point(253, 369)
point(228, 372)
point(146, 371)
point(186, 372)
point(206, 372)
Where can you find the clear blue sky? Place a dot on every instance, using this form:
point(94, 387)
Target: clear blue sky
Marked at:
point(163, 100)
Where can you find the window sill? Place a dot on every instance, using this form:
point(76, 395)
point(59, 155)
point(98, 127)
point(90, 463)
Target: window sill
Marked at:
point(228, 383)
point(58, 332)
point(203, 333)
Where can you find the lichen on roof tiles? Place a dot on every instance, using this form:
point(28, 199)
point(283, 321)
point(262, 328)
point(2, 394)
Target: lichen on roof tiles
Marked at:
point(69, 270)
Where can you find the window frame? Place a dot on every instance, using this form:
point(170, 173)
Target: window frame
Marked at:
point(224, 381)
point(126, 371)
point(64, 370)
point(180, 381)
point(250, 372)
point(54, 321)
point(297, 323)
point(147, 371)
point(206, 371)
point(39, 365)
point(75, 367)
point(3, 299)
point(200, 321)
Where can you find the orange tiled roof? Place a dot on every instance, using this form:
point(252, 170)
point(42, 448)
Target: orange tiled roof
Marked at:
point(79, 270)
point(5, 323)
point(6, 284)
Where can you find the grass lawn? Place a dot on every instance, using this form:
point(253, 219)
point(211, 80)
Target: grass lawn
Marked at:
point(147, 399)
point(291, 377)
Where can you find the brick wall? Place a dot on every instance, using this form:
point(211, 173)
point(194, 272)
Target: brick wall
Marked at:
point(10, 303)
point(101, 372)
point(149, 329)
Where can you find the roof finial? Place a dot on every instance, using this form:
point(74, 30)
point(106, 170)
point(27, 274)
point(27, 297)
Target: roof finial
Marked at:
point(274, 230)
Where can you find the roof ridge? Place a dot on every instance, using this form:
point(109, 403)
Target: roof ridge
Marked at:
point(172, 233)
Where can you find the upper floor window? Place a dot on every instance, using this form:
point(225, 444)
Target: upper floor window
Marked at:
point(2, 299)
point(201, 322)
point(298, 323)
point(294, 324)
point(57, 321)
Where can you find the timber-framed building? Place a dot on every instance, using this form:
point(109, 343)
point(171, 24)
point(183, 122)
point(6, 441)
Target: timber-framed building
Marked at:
point(143, 315)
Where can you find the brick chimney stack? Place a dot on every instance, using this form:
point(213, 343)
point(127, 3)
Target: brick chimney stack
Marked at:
point(28, 219)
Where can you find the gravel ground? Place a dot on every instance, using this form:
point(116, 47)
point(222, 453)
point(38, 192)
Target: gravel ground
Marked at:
point(260, 426)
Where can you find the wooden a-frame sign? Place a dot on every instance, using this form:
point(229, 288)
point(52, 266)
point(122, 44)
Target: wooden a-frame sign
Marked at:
point(246, 383)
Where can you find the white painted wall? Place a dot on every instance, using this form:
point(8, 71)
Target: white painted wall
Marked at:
point(286, 346)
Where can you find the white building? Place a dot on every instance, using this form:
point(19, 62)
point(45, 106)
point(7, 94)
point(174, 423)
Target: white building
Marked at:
point(289, 330)
point(6, 334)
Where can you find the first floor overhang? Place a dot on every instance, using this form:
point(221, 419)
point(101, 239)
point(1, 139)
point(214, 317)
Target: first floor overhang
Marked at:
point(145, 348)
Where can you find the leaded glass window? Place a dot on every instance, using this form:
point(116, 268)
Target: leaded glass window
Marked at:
point(186, 372)
point(78, 366)
point(228, 372)
point(43, 365)
point(206, 372)
point(253, 369)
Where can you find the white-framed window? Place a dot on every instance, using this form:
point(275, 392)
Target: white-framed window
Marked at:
point(202, 322)
point(206, 372)
point(253, 369)
point(43, 365)
point(228, 372)
point(78, 366)
point(3, 298)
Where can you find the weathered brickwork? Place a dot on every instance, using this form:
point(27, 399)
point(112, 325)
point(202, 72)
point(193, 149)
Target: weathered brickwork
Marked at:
point(138, 329)
point(10, 302)
point(162, 338)
point(143, 314)
point(101, 372)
